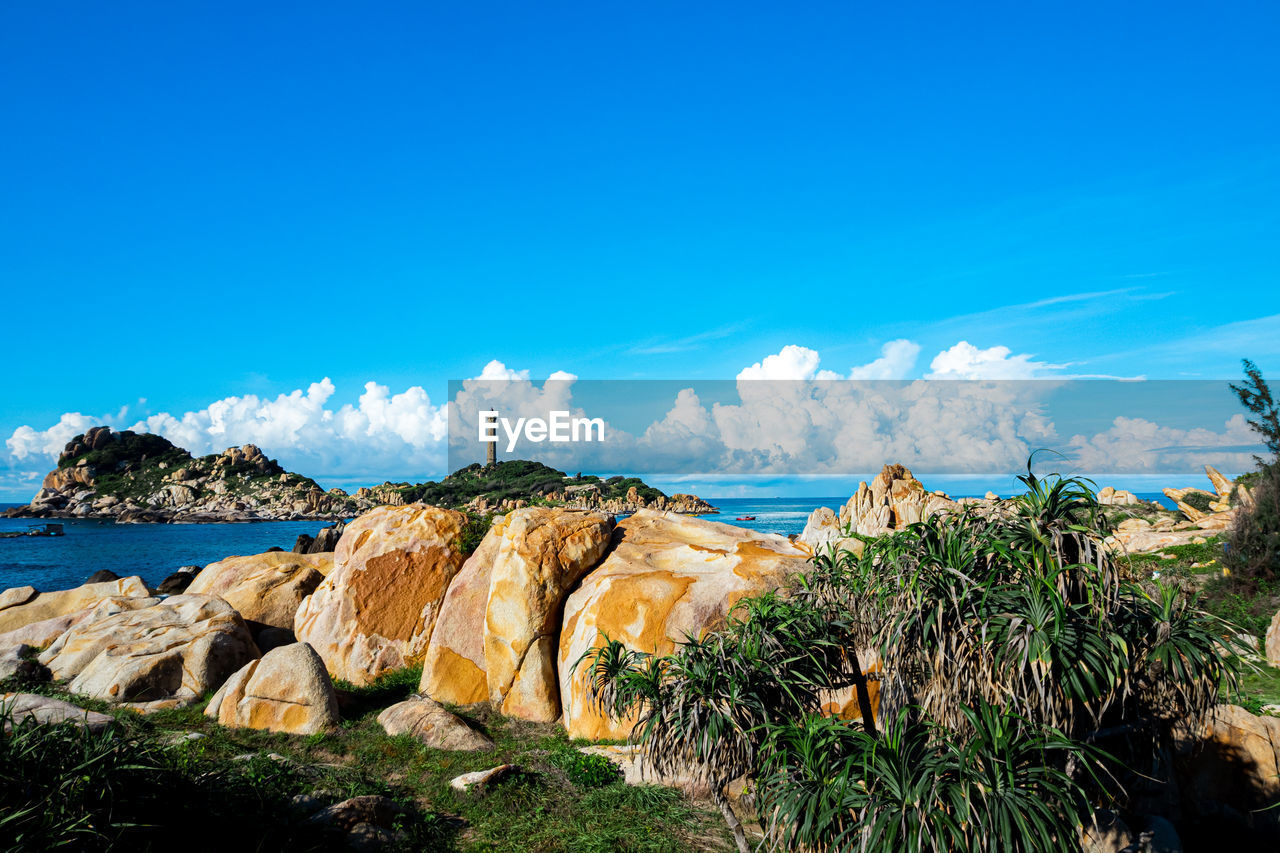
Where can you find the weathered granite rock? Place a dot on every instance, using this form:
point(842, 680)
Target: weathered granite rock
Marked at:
point(287, 690)
point(267, 588)
point(348, 815)
point(482, 778)
point(544, 552)
point(822, 534)
point(15, 662)
point(47, 605)
point(453, 670)
point(1272, 643)
point(46, 709)
point(1110, 496)
point(14, 596)
point(894, 500)
point(425, 720)
point(41, 634)
point(178, 581)
point(668, 576)
point(375, 611)
point(172, 652)
point(1234, 759)
point(636, 769)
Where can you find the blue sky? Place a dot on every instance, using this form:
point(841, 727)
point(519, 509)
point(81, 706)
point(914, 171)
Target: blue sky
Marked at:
point(212, 201)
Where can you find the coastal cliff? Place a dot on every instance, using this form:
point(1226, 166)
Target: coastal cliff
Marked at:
point(140, 477)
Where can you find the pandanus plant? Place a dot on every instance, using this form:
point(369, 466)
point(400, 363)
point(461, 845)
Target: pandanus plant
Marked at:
point(1008, 649)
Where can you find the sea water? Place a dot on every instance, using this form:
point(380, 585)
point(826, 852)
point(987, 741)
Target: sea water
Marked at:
point(153, 551)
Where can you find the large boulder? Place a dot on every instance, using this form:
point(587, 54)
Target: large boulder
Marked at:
point(544, 553)
point(287, 690)
point(426, 721)
point(668, 576)
point(1272, 643)
point(453, 670)
point(22, 707)
point(48, 605)
point(166, 655)
point(894, 500)
point(41, 634)
point(267, 588)
point(1233, 760)
point(375, 611)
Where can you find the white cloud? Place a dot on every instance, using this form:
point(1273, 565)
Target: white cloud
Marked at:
point(792, 362)
point(965, 361)
point(496, 370)
point(895, 361)
point(27, 443)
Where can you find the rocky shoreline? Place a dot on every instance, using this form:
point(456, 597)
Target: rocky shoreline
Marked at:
point(132, 478)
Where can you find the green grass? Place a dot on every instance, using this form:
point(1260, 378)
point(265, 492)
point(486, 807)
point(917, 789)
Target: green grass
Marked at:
point(548, 806)
point(1258, 686)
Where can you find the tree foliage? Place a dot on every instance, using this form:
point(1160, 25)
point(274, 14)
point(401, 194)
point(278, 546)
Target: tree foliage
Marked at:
point(1006, 648)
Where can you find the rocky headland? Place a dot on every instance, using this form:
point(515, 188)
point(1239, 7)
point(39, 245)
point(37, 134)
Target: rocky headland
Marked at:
point(140, 477)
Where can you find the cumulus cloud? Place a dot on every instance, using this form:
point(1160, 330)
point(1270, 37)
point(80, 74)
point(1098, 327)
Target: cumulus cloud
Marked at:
point(1141, 446)
point(965, 361)
point(792, 362)
point(896, 360)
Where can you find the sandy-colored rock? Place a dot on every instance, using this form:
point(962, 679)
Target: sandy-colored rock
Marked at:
point(637, 769)
point(178, 649)
point(267, 589)
point(1272, 644)
point(425, 720)
point(481, 778)
point(47, 605)
point(544, 553)
point(1111, 496)
point(453, 670)
point(1234, 758)
point(375, 611)
point(16, 595)
point(1146, 540)
point(46, 709)
point(43, 633)
point(823, 534)
point(1221, 484)
point(287, 690)
point(894, 500)
point(669, 576)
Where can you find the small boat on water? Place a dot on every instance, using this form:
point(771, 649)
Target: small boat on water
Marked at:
point(745, 518)
point(34, 530)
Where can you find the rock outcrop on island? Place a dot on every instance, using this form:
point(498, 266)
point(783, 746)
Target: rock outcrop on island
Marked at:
point(894, 500)
point(518, 483)
point(140, 477)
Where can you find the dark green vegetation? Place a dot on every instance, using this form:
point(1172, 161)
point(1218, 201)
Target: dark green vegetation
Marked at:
point(1255, 540)
point(134, 466)
point(1020, 682)
point(517, 479)
point(141, 788)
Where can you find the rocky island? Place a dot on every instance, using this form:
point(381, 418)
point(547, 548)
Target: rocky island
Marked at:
point(140, 477)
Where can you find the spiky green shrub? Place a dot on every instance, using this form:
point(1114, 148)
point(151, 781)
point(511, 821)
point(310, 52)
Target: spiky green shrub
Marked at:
point(991, 632)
